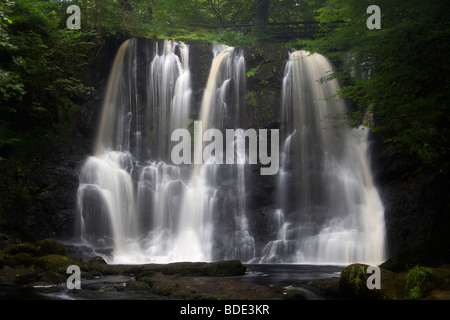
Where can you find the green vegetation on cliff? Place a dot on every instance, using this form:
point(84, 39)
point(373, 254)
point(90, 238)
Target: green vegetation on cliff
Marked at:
point(397, 73)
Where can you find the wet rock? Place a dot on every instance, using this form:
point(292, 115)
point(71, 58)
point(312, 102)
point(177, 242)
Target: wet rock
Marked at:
point(53, 262)
point(294, 293)
point(226, 268)
point(415, 283)
point(48, 246)
point(352, 282)
point(137, 287)
point(20, 259)
point(211, 288)
point(24, 247)
point(98, 259)
point(433, 253)
point(329, 286)
point(51, 277)
point(439, 295)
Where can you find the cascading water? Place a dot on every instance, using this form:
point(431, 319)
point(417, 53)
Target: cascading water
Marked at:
point(121, 195)
point(131, 198)
point(208, 195)
point(330, 211)
point(136, 206)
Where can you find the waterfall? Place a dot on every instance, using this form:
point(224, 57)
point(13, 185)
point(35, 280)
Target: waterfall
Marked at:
point(207, 187)
point(135, 204)
point(330, 211)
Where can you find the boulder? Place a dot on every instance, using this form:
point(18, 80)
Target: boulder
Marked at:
point(53, 262)
point(48, 246)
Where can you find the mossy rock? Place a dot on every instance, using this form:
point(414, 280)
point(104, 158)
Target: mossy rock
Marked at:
point(98, 259)
point(23, 278)
point(227, 268)
point(20, 259)
point(48, 246)
point(353, 282)
point(295, 295)
point(137, 287)
point(438, 295)
point(392, 285)
point(164, 289)
point(24, 247)
point(53, 262)
point(52, 277)
point(91, 274)
point(442, 277)
point(147, 278)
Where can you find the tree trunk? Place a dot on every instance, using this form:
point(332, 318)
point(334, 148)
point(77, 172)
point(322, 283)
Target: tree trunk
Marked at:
point(261, 18)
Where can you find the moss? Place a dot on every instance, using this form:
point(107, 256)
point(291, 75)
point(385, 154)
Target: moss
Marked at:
point(250, 99)
point(352, 282)
point(267, 111)
point(53, 262)
point(20, 259)
point(164, 289)
point(24, 278)
point(214, 269)
point(252, 72)
point(48, 246)
point(52, 277)
point(24, 247)
point(137, 286)
point(227, 268)
point(418, 282)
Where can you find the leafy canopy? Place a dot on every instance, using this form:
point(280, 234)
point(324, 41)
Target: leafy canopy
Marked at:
point(398, 73)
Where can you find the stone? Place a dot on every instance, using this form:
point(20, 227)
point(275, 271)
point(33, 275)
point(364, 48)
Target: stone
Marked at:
point(53, 262)
point(48, 246)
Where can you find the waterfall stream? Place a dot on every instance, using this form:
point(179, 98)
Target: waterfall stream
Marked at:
point(330, 211)
point(139, 207)
point(148, 209)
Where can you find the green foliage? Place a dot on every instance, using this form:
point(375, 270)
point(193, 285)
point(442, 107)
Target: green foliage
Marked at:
point(398, 73)
point(252, 72)
point(39, 67)
point(416, 279)
point(357, 278)
point(200, 19)
point(250, 99)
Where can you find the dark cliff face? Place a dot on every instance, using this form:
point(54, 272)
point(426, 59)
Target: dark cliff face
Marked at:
point(416, 201)
point(55, 213)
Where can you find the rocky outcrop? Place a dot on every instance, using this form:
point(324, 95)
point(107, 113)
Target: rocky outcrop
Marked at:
point(42, 265)
point(413, 284)
point(417, 205)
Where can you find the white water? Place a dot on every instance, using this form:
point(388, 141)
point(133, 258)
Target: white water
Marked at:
point(137, 207)
point(114, 210)
point(149, 210)
point(327, 197)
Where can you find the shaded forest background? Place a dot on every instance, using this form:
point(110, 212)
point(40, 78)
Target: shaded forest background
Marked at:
point(399, 75)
